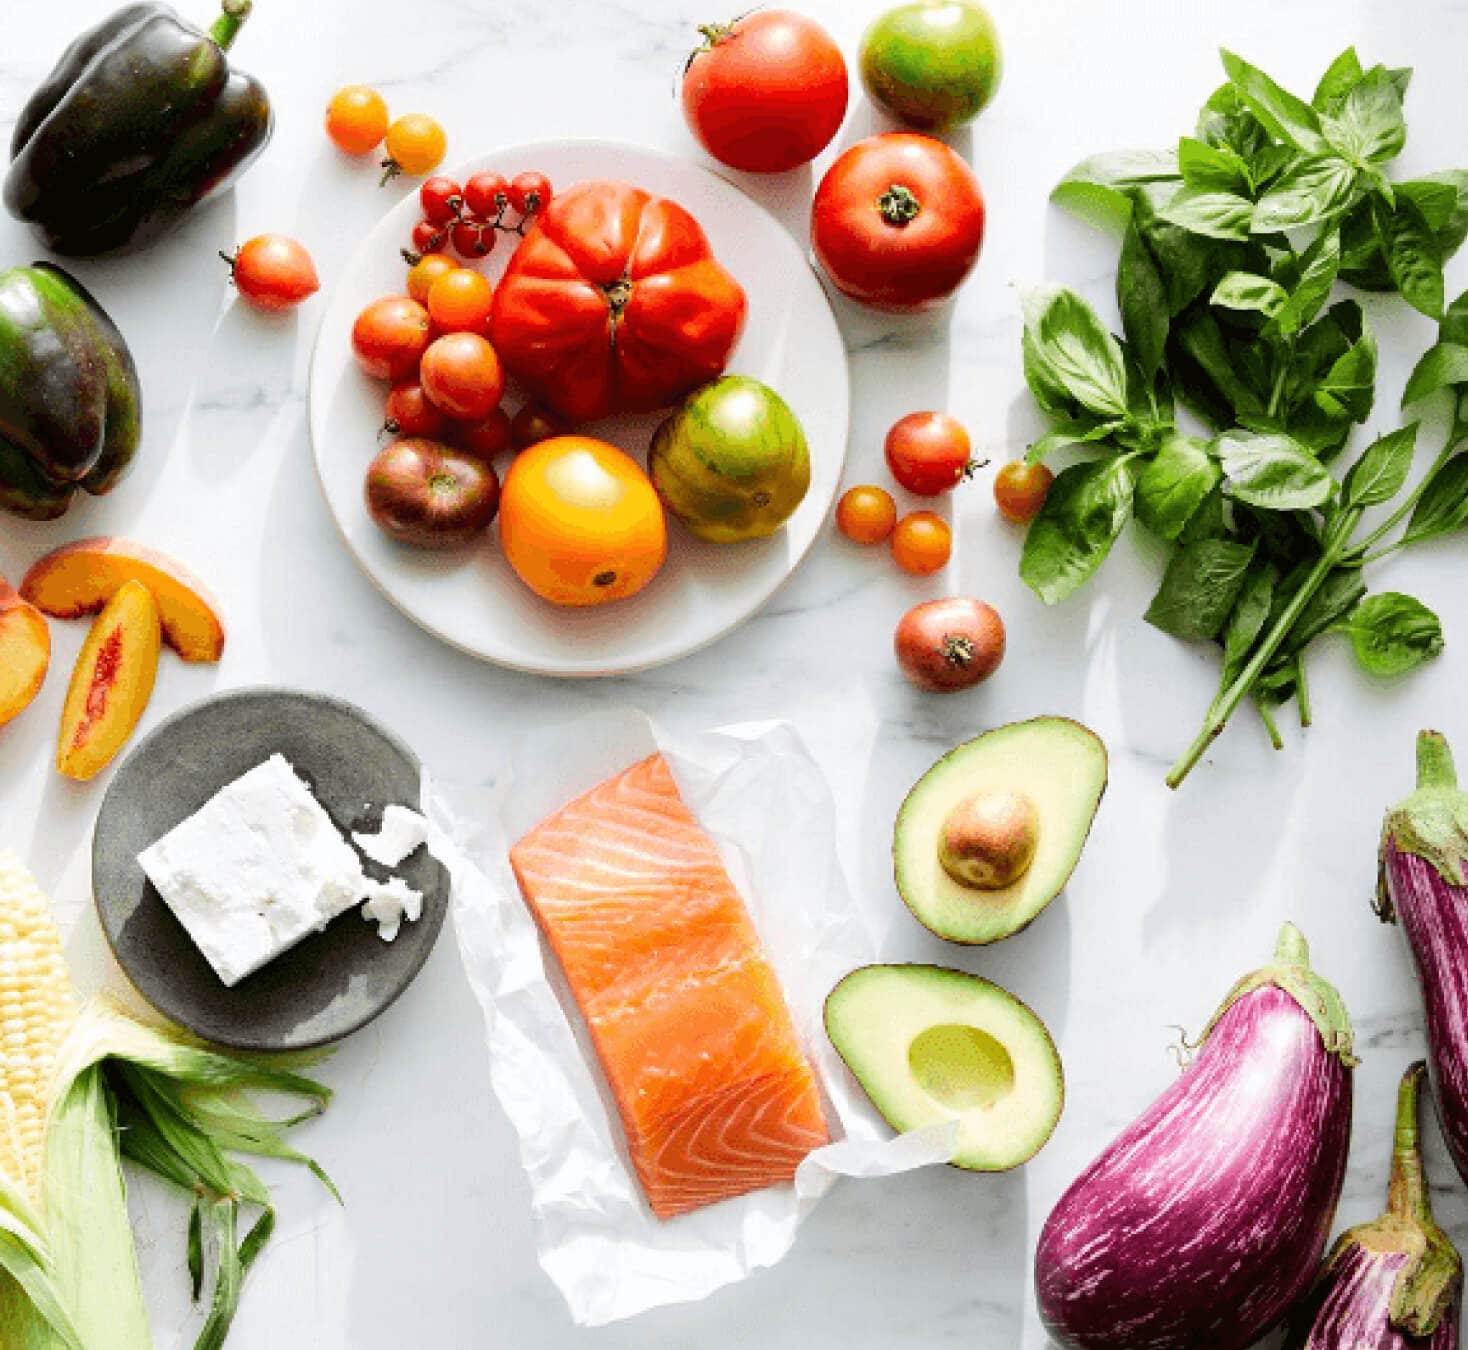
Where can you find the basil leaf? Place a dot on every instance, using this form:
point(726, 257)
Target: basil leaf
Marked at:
point(1199, 588)
point(1074, 350)
point(1454, 325)
point(1070, 431)
point(1425, 191)
point(1218, 215)
point(1443, 366)
point(1382, 469)
point(1087, 508)
point(1142, 297)
point(1438, 202)
point(1366, 126)
point(1412, 256)
point(1334, 598)
point(1246, 621)
point(1392, 633)
point(1045, 385)
point(1187, 261)
point(1286, 116)
point(1095, 189)
point(1272, 471)
point(1348, 388)
point(1319, 266)
point(1202, 339)
point(1247, 291)
point(1173, 483)
point(1340, 77)
point(1312, 190)
point(1443, 506)
point(1212, 168)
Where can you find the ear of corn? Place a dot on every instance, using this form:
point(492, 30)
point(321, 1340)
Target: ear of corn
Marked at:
point(78, 1093)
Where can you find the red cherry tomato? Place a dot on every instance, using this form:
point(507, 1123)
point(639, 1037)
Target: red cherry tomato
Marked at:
point(528, 192)
point(473, 239)
point(485, 438)
point(922, 543)
point(390, 336)
point(866, 514)
point(273, 272)
point(533, 424)
point(1020, 490)
point(462, 374)
point(928, 452)
point(441, 198)
point(428, 237)
point(409, 413)
point(766, 92)
point(486, 195)
point(898, 221)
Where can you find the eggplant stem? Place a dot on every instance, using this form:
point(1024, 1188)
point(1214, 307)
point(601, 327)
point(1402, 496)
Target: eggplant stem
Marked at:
point(1435, 767)
point(1291, 949)
point(1407, 1194)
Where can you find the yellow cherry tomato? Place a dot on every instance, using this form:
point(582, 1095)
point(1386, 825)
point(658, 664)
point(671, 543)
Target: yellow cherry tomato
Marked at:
point(866, 514)
point(415, 145)
point(356, 119)
point(922, 543)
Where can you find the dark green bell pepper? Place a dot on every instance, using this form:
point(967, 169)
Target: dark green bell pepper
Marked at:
point(70, 406)
point(141, 120)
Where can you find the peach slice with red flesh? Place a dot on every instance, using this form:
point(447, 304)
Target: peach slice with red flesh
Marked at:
point(25, 652)
point(111, 683)
point(81, 577)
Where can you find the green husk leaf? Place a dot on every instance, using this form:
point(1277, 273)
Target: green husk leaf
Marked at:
point(1432, 822)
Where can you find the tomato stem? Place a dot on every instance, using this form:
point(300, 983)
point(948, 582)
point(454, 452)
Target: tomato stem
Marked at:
point(899, 205)
point(618, 293)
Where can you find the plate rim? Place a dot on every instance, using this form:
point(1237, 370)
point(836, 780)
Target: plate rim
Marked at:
point(435, 924)
point(317, 360)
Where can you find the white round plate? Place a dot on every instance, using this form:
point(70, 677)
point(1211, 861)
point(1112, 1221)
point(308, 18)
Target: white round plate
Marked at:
point(471, 598)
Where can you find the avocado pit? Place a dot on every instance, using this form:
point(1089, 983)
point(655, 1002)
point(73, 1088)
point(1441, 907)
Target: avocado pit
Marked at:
point(988, 840)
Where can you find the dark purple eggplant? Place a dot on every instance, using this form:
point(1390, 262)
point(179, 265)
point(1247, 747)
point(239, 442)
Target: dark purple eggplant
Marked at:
point(1206, 1220)
point(1396, 1283)
point(1424, 843)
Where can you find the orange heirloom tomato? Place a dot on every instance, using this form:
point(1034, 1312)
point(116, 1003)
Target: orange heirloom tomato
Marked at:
point(922, 543)
point(613, 302)
point(580, 522)
point(898, 221)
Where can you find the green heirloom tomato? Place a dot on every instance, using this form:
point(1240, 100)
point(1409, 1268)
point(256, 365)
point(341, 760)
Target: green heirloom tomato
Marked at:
point(732, 462)
point(934, 64)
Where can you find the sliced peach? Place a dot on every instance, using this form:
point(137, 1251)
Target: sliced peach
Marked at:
point(25, 652)
point(81, 577)
point(111, 683)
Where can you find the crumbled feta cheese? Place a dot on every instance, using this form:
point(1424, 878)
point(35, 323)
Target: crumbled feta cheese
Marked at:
point(389, 903)
point(401, 833)
point(259, 867)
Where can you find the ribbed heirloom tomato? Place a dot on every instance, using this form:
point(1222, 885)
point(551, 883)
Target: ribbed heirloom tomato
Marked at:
point(898, 221)
point(614, 302)
point(580, 522)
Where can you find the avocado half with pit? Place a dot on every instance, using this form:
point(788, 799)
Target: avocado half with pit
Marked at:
point(928, 1044)
point(1018, 802)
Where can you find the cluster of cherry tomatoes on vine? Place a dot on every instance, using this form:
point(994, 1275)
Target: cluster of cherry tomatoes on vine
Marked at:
point(471, 217)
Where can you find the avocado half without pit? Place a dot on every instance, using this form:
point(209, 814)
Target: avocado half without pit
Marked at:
point(991, 833)
point(929, 1044)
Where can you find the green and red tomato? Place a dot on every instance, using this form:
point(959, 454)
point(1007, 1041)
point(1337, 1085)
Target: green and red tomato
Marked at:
point(933, 64)
point(431, 495)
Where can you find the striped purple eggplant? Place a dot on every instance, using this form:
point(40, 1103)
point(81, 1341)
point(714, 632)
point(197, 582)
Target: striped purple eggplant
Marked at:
point(1395, 1284)
point(1206, 1220)
point(1424, 843)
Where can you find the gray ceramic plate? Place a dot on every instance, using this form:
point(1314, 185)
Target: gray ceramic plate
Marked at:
point(337, 980)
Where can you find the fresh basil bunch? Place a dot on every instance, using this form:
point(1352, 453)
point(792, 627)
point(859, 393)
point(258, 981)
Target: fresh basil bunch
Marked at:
point(1231, 250)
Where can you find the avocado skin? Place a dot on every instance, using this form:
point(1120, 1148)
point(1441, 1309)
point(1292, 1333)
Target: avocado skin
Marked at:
point(905, 821)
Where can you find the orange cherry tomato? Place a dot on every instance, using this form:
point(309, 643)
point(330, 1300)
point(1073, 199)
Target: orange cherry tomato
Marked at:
point(390, 336)
point(928, 452)
point(485, 438)
point(462, 375)
point(415, 145)
point(866, 514)
point(459, 301)
point(580, 522)
point(356, 119)
point(1020, 490)
point(428, 269)
point(922, 543)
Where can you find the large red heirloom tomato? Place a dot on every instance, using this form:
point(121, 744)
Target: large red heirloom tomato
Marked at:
point(614, 302)
point(898, 221)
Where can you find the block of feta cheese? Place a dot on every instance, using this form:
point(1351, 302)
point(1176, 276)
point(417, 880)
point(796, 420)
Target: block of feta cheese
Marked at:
point(389, 903)
point(401, 833)
point(256, 869)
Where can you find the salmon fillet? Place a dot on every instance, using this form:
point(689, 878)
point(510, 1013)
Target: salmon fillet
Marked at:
point(692, 1030)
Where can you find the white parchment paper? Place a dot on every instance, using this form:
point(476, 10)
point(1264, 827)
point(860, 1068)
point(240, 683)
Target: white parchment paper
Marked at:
point(760, 794)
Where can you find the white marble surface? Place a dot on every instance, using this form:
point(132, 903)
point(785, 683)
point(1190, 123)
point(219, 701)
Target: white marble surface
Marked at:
point(1177, 895)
